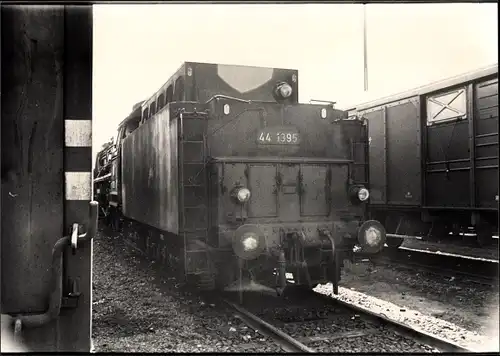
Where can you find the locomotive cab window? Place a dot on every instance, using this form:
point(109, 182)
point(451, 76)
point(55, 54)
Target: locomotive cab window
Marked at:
point(448, 106)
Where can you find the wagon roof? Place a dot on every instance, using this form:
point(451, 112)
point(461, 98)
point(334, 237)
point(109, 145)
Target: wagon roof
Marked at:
point(429, 88)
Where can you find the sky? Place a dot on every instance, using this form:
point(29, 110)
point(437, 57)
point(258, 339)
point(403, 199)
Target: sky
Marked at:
point(138, 47)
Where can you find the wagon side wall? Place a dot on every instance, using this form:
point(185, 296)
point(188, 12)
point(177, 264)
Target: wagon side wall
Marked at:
point(486, 143)
point(394, 153)
point(461, 154)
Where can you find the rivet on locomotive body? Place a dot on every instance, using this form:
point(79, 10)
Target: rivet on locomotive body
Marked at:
point(323, 113)
point(226, 109)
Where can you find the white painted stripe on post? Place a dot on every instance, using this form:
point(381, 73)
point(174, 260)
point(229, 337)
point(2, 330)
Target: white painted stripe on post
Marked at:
point(78, 133)
point(78, 185)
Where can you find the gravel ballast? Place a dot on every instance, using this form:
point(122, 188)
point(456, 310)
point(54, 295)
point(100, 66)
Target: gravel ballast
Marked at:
point(454, 247)
point(459, 311)
point(330, 327)
point(136, 311)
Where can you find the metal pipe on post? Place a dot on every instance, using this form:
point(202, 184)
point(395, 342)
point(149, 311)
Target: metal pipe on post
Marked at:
point(56, 294)
point(365, 54)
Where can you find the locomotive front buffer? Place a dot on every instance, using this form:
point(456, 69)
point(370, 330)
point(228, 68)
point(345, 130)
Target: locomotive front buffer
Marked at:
point(288, 222)
point(311, 253)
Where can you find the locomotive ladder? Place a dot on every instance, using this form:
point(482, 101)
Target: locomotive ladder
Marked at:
point(361, 146)
point(194, 199)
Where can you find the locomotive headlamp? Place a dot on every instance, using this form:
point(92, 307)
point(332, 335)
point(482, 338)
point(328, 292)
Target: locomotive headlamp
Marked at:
point(363, 194)
point(242, 194)
point(250, 241)
point(283, 90)
point(359, 193)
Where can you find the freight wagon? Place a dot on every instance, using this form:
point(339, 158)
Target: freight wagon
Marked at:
point(433, 158)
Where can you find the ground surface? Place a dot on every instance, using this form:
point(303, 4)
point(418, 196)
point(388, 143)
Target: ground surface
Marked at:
point(134, 310)
point(454, 309)
point(454, 248)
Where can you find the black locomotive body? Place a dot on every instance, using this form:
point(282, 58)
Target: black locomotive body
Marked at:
point(236, 176)
point(433, 158)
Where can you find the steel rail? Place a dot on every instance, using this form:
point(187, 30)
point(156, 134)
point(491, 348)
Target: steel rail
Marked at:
point(399, 327)
point(443, 264)
point(287, 343)
point(444, 272)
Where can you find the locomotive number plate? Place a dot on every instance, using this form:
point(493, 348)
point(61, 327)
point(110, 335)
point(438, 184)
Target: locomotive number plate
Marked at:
point(278, 136)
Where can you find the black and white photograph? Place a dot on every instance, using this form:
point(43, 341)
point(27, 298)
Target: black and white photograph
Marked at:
point(261, 177)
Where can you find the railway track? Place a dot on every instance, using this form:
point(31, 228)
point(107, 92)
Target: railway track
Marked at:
point(307, 321)
point(400, 328)
point(285, 341)
point(464, 246)
point(478, 270)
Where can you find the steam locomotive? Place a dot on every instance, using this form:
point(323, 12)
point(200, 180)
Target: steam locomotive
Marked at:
point(224, 176)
